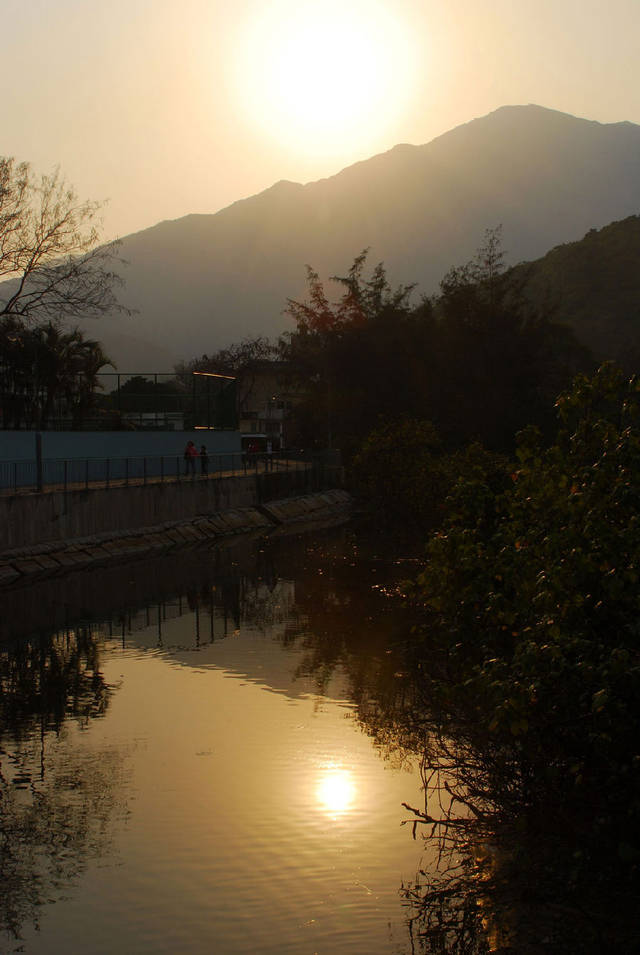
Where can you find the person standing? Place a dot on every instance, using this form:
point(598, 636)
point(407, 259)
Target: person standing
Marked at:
point(204, 461)
point(190, 455)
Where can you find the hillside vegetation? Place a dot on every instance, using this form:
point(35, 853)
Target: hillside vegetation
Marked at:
point(594, 286)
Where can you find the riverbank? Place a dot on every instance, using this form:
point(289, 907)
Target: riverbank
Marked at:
point(56, 557)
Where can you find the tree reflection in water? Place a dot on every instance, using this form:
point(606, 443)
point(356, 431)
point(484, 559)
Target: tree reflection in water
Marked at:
point(450, 904)
point(347, 622)
point(503, 883)
point(509, 851)
point(56, 799)
point(59, 800)
point(497, 885)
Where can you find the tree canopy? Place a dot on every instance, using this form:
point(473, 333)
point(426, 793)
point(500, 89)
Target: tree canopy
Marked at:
point(476, 360)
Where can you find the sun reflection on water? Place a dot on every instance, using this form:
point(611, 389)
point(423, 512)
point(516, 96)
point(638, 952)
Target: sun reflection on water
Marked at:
point(336, 791)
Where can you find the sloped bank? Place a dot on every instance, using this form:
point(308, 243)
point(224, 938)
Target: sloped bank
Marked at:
point(58, 557)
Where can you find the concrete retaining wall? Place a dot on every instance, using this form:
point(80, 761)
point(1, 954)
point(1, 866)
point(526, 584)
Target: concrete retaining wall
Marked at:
point(53, 516)
point(32, 519)
point(23, 565)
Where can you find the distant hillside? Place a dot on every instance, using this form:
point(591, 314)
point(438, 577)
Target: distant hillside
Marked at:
point(594, 286)
point(203, 281)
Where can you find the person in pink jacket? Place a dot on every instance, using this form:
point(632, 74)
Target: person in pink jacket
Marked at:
point(190, 455)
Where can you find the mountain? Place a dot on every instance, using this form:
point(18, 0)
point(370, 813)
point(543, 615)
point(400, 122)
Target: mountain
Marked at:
point(126, 350)
point(204, 281)
point(594, 286)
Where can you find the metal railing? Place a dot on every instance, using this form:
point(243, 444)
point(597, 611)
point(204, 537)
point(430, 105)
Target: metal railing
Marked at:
point(71, 474)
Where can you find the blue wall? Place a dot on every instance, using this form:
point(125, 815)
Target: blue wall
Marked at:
point(21, 445)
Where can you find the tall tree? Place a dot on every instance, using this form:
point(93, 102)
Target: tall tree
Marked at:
point(353, 354)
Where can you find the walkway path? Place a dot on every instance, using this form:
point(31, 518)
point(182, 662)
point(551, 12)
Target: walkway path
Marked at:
point(259, 467)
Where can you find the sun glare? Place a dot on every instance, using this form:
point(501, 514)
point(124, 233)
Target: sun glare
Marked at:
point(317, 76)
point(336, 791)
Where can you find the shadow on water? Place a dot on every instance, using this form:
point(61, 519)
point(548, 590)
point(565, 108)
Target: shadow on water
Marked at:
point(55, 800)
point(58, 800)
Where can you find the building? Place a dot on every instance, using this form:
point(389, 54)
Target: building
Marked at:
point(265, 398)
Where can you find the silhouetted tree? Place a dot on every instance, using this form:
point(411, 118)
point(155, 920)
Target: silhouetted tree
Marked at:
point(43, 367)
point(49, 250)
point(354, 355)
point(501, 363)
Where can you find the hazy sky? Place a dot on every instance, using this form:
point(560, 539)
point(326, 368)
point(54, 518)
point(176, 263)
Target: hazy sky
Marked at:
point(165, 107)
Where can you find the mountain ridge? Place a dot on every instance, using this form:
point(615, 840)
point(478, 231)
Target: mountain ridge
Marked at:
point(447, 136)
point(204, 280)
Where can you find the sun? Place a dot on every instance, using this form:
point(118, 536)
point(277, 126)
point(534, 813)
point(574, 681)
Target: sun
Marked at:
point(336, 791)
point(324, 75)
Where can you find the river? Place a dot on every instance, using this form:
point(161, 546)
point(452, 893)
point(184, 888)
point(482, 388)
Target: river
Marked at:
point(196, 756)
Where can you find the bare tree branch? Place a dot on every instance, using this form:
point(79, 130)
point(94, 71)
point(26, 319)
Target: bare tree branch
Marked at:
point(51, 266)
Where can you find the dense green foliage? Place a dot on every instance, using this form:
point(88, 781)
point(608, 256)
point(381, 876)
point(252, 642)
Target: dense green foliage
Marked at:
point(403, 473)
point(400, 471)
point(537, 590)
point(363, 356)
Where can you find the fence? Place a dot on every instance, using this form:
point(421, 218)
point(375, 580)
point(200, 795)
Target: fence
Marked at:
point(38, 476)
point(123, 402)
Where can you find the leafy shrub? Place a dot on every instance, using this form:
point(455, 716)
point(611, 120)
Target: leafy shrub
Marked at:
point(538, 585)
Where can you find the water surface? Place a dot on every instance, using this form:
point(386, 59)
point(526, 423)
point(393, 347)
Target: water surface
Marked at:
point(185, 766)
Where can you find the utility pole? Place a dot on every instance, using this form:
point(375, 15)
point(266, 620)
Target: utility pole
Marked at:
point(39, 462)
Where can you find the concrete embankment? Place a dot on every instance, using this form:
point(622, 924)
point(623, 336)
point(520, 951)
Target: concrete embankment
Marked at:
point(63, 514)
point(118, 544)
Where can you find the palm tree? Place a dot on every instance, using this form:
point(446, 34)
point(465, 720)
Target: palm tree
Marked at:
point(14, 371)
point(86, 359)
point(43, 366)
